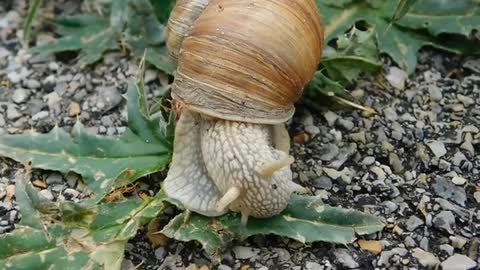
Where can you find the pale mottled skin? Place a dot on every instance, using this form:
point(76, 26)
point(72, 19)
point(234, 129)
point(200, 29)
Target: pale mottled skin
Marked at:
point(211, 156)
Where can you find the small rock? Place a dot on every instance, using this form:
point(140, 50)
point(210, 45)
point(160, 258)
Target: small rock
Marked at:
point(413, 222)
point(397, 77)
point(40, 115)
point(32, 84)
point(467, 101)
point(47, 194)
point(476, 195)
point(438, 148)
point(109, 98)
point(426, 259)
point(20, 96)
point(447, 190)
point(331, 117)
point(54, 178)
point(328, 152)
point(312, 130)
point(322, 182)
point(346, 124)
point(313, 266)
point(435, 92)
point(71, 193)
point(127, 265)
point(447, 248)
point(409, 242)
point(471, 129)
point(445, 220)
point(224, 267)
point(359, 137)
point(243, 253)
point(396, 163)
point(2, 120)
point(367, 161)
point(344, 258)
point(12, 113)
point(332, 173)
point(74, 109)
point(379, 173)
point(386, 255)
point(458, 262)
point(160, 253)
point(459, 181)
point(458, 241)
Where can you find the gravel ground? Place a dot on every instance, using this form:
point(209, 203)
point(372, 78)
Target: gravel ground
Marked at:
point(415, 163)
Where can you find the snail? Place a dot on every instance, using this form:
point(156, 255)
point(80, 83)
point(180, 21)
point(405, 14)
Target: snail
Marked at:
point(241, 66)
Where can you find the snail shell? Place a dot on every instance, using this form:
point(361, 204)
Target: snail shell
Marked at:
point(244, 60)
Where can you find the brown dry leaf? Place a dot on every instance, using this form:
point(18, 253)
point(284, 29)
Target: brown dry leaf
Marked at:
point(153, 234)
point(374, 247)
point(117, 194)
point(204, 268)
point(244, 267)
point(301, 138)
point(397, 230)
point(39, 184)
point(143, 195)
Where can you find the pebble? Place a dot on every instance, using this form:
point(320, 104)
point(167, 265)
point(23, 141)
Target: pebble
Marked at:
point(322, 182)
point(160, 253)
point(332, 173)
point(331, 117)
point(2, 120)
point(328, 152)
point(367, 161)
point(47, 194)
point(108, 99)
point(313, 266)
point(445, 220)
point(435, 92)
point(71, 193)
point(459, 181)
point(458, 262)
point(447, 248)
point(438, 148)
point(384, 259)
point(458, 241)
point(413, 222)
point(243, 253)
point(425, 258)
point(476, 195)
point(32, 84)
point(20, 96)
point(359, 137)
point(397, 77)
point(312, 130)
point(127, 265)
point(447, 190)
point(466, 101)
point(54, 178)
point(224, 267)
point(40, 115)
point(12, 113)
point(345, 258)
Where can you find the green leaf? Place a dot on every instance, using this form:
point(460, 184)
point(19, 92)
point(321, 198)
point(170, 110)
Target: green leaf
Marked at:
point(146, 35)
point(401, 40)
point(88, 33)
point(32, 13)
point(104, 162)
point(306, 220)
point(403, 7)
point(162, 9)
point(96, 240)
point(326, 86)
point(356, 52)
point(437, 17)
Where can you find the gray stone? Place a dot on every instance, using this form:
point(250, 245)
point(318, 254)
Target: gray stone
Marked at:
point(331, 117)
point(243, 253)
point(447, 190)
point(458, 241)
point(409, 242)
point(127, 265)
point(313, 266)
point(54, 178)
point(367, 161)
point(413, 222)
point(384, 259)
point(32, 84)
point(345, 258)
point(458, 262)
point(459, 181)
point(476, 195)
point(391, 207)
point(47, 194)
point(72, 193)
point(346, 124)
point(466, 100)
point(328, 152)
point(40, 115)
point(322, 182)
point(108, 99)
point(438, 148)
point(425, 258)
point(397, 77)
point(444, 221)
point(396, 163)
point(435, 92)
point(447, 248)
point(160, 253)
point(12, 113)
point(424, 244)
point(2, 120)
point(20, 96)
point(312, 130)
point(224, 267)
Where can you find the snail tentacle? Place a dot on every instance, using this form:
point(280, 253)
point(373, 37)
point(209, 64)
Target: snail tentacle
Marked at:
point(269, 169)
point(230, 196)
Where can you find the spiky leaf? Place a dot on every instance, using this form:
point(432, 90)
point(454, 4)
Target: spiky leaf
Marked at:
point(104, 162)
point(306, 219)
point(96, 240)
point(398, 40)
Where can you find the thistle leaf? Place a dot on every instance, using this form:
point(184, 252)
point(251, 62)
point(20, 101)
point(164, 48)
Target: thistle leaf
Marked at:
point(306, 220)
point(104, 162)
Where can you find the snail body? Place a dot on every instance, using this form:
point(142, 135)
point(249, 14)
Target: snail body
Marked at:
point(241, 66)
